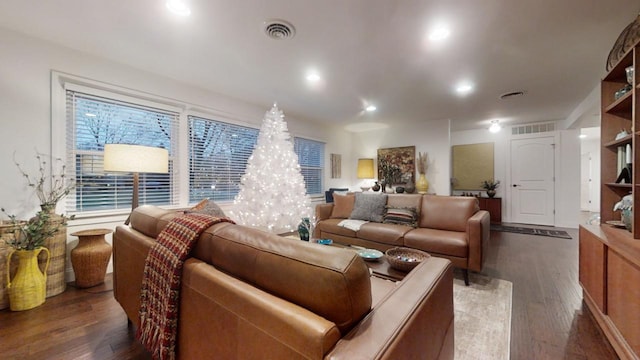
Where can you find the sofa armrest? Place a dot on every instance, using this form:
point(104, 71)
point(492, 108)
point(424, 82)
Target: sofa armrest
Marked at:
point(130, 249)
point(323, 211)
point(478, 228)
point(416, 317)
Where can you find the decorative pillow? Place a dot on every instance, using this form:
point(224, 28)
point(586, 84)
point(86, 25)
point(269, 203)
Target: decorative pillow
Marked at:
point(369, 207)
point(208, 207)
point(401, 216)
point(342, 206)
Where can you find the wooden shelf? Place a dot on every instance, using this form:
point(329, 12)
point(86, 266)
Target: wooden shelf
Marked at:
point(622, 106)
point(622, 141)
point(622, 186)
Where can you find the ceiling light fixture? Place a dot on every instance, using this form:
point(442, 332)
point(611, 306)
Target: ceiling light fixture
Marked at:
point(439, 33)
point(495, 126)
point(178, 7)
point(313, 77)
point(582, 136)
point(371, 108)
point(464, 88)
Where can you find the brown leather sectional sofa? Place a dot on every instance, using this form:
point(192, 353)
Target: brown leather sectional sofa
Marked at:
point(451, 227)
point(247, 294)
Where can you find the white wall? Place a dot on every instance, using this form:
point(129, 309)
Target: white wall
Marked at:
point(567, 191)
point(591, 147)
point(25, 113)
point(429, 136)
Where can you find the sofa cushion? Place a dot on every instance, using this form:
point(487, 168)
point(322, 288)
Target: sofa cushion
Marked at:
point(401, 216)
point(447, 212)
point(405, 201)
point(383, 233)
point(434, 241)
point(342, 206)
point(331, 226)
point(369, 207)
point(329, 281)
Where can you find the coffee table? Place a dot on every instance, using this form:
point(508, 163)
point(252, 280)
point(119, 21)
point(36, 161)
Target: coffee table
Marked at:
point(379, 267)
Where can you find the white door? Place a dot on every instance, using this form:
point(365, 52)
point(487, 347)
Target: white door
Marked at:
point(532, 180)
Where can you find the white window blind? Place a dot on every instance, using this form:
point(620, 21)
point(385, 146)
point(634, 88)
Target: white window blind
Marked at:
point(311, 160)
point(92, 122)
point(218, 155)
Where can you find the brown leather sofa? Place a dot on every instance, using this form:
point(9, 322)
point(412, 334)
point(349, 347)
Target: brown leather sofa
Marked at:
point(247, 294)
point(451, 227)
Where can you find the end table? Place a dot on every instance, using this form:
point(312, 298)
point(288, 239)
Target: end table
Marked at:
point(91, 257)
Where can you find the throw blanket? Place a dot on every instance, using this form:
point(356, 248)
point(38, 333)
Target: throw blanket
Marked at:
point(352, 224)
point(160, 294)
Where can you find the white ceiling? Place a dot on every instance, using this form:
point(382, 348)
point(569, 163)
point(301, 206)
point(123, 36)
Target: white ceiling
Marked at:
point(366, 51)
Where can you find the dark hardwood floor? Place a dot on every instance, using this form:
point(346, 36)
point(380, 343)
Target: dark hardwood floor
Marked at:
point(549, 320)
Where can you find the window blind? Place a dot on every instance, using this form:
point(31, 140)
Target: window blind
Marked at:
point(311, 160)
point(92, 122)
point(218, 155)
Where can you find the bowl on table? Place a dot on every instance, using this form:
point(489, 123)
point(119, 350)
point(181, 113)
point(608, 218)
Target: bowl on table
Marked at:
point(405, 259)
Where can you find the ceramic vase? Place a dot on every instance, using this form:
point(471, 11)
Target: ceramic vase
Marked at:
point(27, 290)
point(422, 185)
point(491, 193)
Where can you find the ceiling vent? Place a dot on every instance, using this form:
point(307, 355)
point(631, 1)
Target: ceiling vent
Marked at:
point(533, 128)
point(279, 29)
point(512, 94)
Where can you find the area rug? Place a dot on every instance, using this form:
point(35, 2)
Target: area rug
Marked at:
point(532, 231)
point(482, 318)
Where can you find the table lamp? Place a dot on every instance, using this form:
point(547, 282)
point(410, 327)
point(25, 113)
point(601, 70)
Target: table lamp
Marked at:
point(365, 171)
point(135, 159)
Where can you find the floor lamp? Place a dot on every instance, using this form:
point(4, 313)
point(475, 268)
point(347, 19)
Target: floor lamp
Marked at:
point(135, 159)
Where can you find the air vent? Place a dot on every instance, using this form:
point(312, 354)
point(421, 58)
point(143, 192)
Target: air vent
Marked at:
point(512, 94)
point(279, 29)
point(533, 128)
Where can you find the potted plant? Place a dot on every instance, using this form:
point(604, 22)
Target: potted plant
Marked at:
point(28, 287)
point(490, 186)
point(51, 188)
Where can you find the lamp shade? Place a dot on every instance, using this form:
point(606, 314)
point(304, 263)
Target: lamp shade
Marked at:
point(365, 168)
point(135, 158)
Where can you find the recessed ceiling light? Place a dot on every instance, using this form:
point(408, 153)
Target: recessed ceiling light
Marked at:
point(582, 136)
point(178, 7)
point(439, 33)
point(464, 88)
point(371, 108)
point(313, 77)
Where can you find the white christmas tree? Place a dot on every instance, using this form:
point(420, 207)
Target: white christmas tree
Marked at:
point(272, 191)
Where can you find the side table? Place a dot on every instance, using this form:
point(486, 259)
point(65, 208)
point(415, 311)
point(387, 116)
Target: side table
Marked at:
point(91, 257)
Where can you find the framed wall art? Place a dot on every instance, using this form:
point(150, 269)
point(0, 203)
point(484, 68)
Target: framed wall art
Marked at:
point(397, 165)
point(472, 164)
point(336, 166)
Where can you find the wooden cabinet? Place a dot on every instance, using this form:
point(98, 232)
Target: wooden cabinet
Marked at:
point(610, 257)
point(610, 279)
point(493, 206)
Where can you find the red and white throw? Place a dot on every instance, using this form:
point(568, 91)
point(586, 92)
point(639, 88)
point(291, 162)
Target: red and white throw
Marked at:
point(160, 294)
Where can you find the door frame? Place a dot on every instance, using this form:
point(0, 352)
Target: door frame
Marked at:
point(556, 169)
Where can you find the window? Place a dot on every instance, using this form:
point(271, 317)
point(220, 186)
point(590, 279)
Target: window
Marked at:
point(92, 122)
point(218, 155)
point(311, 160)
